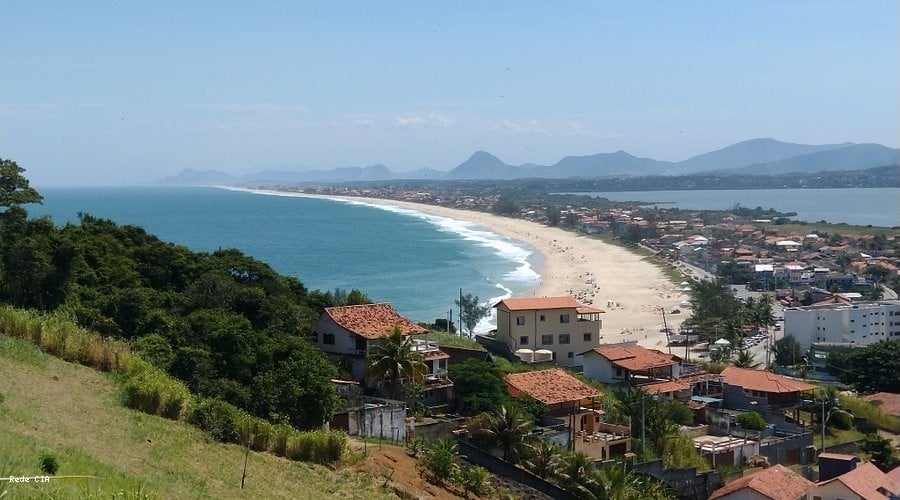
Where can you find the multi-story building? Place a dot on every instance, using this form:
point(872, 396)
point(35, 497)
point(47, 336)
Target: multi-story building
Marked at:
point(560, 325)
point(853, 324)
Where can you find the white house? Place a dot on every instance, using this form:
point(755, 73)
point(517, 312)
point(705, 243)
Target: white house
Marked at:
point(629, 363)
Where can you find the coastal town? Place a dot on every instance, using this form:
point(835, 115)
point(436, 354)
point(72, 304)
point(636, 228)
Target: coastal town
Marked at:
point(828, 293)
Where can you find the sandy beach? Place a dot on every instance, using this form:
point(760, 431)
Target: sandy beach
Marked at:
point(630, 290)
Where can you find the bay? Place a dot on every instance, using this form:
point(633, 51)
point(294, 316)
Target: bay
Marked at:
point(858, 206)
point(415, 261)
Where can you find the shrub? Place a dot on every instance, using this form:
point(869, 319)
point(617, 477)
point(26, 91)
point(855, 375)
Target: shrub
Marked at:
point(752, 420)
point(677, 412)
point(322, 447)
point(216, 417)
point(48, 464)
point(439, 460)
point(279, 439)
point(473, 479)
point(254, 431)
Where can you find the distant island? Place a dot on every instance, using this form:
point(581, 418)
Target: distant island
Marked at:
point(738, 166)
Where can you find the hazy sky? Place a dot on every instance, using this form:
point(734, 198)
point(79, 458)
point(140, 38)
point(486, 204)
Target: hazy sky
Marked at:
point(96, 93)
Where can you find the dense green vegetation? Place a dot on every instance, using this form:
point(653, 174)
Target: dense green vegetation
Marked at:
point(872, 368)
point(75, 416)
point(225, 324)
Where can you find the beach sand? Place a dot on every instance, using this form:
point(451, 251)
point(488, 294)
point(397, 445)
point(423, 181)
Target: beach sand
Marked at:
point(632, 291)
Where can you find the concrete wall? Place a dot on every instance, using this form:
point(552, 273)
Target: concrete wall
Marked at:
point(382, 419)
point(686, 482)
point(497, 466)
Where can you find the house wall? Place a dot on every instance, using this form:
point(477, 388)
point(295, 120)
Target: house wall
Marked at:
point(534, 329)
point(344, 347)
point(833, 491)
point(596, 367)
point(858, 324)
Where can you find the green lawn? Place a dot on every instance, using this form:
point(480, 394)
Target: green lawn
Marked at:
point(74, 413)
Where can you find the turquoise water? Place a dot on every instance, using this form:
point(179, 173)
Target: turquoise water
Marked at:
point(875, 206)
point(417, 262)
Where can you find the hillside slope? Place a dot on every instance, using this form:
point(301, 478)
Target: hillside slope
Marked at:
point(75, 414)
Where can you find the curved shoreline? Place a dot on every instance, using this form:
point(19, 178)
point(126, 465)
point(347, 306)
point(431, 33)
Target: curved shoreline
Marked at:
point(630, 290)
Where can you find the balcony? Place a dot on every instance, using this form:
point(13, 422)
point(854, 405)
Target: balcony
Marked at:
point(423, 346)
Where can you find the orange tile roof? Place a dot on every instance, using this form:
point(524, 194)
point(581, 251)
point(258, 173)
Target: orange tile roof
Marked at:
point(664, 387)
point(372, 321)
point(550, 386)
point(757, 380)
point(635, 357)
point(777, 482)
point(888, 402)
point(430, 355)
point(866, 480)
point(540, 303)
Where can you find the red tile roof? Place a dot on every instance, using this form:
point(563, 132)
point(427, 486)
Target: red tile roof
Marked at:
point(372, 321)
point(542, 303)
point(664, 387)
point(777, 482)
point(757, 380)
point(550, 386)
point(888, 402)
point(866, 480)
point(635, 357)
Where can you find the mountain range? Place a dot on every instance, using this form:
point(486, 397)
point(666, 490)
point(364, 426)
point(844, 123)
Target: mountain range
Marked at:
point(755, 156)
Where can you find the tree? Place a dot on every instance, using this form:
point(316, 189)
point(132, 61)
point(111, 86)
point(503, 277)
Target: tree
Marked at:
point(787, 351)
point(544, 459)
point(881, 451)
point(873, 368)
point(507, 428)
point(14, 187)
point(392, 362)
point(553, 216)
point(478, 385)
point(744, 359)
point(470, 311)
point(577, 475)
point(751, 420)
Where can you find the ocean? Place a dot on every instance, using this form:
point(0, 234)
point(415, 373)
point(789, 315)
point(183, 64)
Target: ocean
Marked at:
point(415, 261)
point(858, 206)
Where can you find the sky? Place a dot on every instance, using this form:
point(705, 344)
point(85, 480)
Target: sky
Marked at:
point(125, 93)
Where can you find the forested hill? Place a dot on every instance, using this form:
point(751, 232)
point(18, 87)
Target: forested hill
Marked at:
point(226, 324)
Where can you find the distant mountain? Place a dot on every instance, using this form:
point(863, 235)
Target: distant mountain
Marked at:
point(752, 152)
point(756, 156)
point(482, 165)
point(603, 164)
point(854, 157)
point(190, 176)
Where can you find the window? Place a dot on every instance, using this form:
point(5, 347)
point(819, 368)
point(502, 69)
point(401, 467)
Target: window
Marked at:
point(520, 320)
point(546, 339)
point(543, 317)
point(563, 318)
point(618, 372)
point(563, 338)
point(587, 337)
point(328, 339)
point(571, 354)
point(523, 340)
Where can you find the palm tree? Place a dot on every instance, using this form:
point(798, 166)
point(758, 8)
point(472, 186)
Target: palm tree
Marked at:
point(578, 475)
point(744, 359)
point(508, 427)
point(392, 363)
point(544, 459)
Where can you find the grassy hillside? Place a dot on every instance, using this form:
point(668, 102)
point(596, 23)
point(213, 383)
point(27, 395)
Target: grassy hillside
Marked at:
point(48, 406)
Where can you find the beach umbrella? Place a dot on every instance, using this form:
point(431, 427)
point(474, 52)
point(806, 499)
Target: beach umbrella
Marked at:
point(722, 342)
